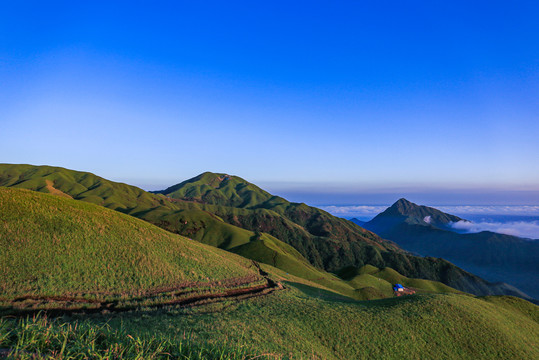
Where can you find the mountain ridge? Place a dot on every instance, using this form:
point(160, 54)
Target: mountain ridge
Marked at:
point(327, 242)
point(88, 253)
point(497, 257)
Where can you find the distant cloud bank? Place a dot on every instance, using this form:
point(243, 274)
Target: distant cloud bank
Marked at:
point(528, 210)
point(525, 229)
point(459, 210)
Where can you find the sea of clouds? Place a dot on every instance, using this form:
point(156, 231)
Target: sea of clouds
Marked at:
point(506, 217)
point(524, 229)
point(462, 210)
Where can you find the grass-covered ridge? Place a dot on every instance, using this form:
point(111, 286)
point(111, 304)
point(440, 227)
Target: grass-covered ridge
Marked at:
point(58, 251)
point(327, 242)
point(57, 247)
point(229, 213)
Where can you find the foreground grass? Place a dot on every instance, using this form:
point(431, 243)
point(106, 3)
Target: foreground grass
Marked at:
point(40, 337)
point(296, 324)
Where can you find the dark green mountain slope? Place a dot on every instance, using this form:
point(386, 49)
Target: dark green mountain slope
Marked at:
point(327, 242)
point(243, 204)
point(496, 257)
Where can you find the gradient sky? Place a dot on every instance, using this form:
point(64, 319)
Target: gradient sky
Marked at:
point(324, 102)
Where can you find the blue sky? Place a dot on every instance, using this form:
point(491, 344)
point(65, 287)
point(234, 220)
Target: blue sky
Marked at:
point(324, 102)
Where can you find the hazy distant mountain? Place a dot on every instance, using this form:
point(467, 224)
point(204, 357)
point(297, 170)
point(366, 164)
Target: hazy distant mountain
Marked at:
point(427, 231)
point(357, 221)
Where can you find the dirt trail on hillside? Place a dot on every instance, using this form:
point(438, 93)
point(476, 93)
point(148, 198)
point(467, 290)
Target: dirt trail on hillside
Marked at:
point(184, 295)
point(55, 191)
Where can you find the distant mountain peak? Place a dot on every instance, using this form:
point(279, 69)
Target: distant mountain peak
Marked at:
point(219, 189)
point(419, 213)
point(208, 175)
point(403, 206)
point(212, 178)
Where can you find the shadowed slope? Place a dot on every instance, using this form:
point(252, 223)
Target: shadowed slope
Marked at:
point(326, 241)
point(427, 231)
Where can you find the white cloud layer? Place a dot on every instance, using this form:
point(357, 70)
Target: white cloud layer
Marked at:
point(459, 210)
point(525, 229)
point(530, 210)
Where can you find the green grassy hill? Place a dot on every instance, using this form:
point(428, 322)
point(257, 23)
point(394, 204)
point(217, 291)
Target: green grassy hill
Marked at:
point(56, 252)
point(57, 247)
point(221, 189)
point(298, 323)
point(54, 247)
point(328, 242)
point(372, 280)
point(206, 214)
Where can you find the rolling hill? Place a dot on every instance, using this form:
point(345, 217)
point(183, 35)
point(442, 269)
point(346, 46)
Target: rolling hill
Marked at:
point(133, 289)
point(54, 247)
point(328, 242)
point(319, 240)
point(427, 231)
point(73, 254)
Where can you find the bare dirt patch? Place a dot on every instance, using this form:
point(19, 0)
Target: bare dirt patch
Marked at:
point(55, 191)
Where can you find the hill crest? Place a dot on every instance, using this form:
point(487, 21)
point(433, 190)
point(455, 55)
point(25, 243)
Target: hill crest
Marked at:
point(219, 189)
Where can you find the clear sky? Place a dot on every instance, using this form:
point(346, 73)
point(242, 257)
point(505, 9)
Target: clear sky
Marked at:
point(324, 102)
